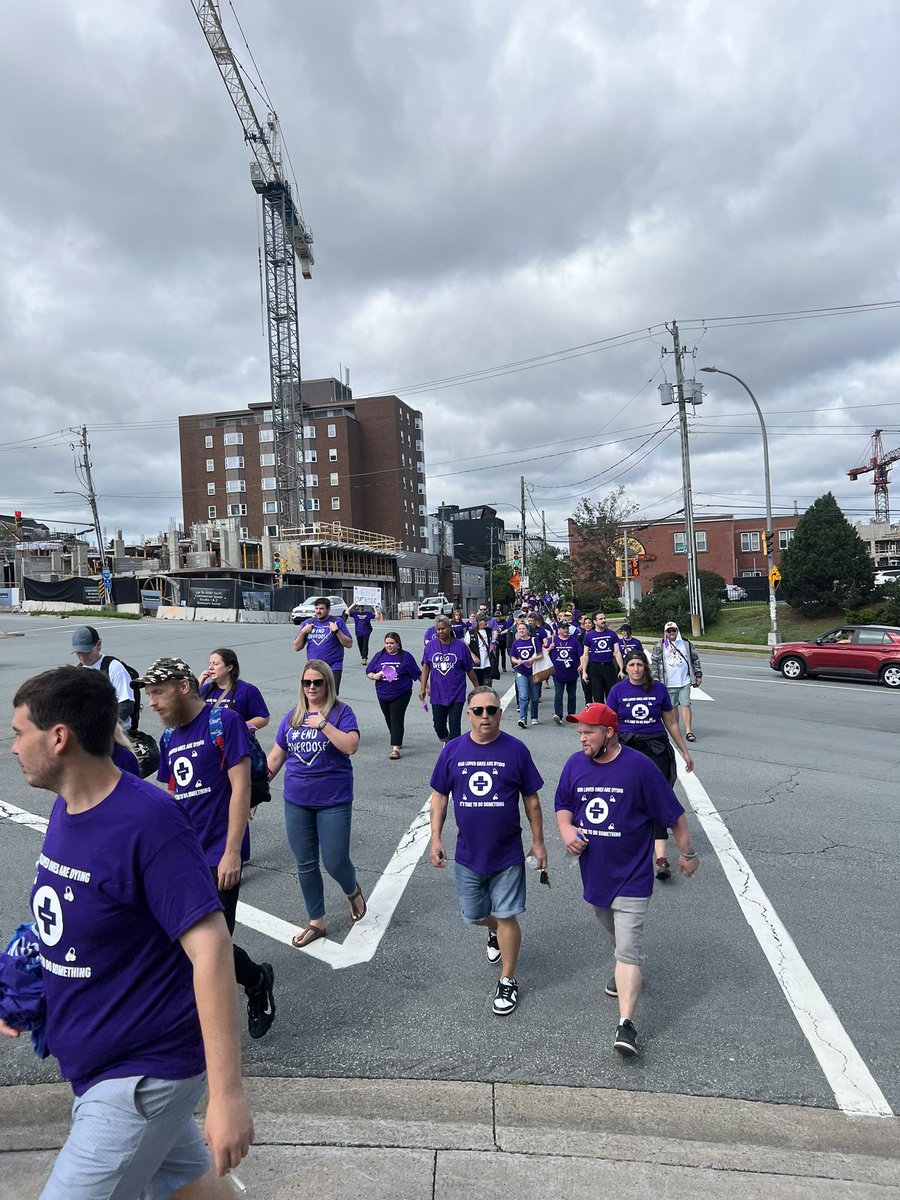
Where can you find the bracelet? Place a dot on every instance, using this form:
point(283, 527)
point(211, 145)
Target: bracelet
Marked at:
point(692, 854)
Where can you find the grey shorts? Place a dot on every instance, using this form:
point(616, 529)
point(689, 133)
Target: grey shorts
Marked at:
point(624, 921)
point(131, 1137)
point(680, 696)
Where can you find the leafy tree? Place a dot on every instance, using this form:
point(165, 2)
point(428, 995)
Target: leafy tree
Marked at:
point(595, 543)
point(671, 604)
point(547, 570)
point(668, 579)
point(503, 592)
point(711, 584)
point(826, 562)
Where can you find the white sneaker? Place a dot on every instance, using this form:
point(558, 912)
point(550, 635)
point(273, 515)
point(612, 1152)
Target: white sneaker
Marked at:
point(535, 721)
point(557, 720)
point(506, 997)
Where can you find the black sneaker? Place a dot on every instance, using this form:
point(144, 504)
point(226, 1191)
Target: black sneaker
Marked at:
point(663, 870)
point(493, 948)
point(520, 723)
point(261, 1004)
point(611, 989)
point(506, 997)
point(626, 1039)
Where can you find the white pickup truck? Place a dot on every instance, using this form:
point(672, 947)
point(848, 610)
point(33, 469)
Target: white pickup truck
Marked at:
point(435, 606)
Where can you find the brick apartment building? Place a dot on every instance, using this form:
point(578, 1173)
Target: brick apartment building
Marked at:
point(365, 465)
point(730, 546)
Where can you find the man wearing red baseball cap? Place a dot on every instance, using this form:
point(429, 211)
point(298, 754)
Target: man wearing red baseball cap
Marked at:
point(608, 801)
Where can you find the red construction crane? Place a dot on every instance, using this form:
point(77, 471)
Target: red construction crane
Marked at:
point(880, 463)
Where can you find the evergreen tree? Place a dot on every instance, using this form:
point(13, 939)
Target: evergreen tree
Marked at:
point(826, 562)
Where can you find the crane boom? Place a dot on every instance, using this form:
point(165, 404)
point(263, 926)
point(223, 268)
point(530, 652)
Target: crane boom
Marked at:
point(286, 239)
point(879, 463)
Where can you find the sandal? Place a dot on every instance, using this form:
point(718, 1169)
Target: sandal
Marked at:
point(689, 737)
point(395, 753)
point(358, 906)
point(307, 935)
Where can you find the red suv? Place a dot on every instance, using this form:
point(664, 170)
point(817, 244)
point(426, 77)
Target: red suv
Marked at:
point(851, 651)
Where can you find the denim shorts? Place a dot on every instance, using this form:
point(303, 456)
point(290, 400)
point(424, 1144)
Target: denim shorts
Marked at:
point(131, 1137)
point(500, 894)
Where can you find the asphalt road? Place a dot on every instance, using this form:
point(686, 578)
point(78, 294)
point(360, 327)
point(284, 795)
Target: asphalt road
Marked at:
point(803, 775)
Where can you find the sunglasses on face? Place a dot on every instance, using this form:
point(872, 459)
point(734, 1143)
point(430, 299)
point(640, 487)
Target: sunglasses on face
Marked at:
point(490, 709)
point(313, 682)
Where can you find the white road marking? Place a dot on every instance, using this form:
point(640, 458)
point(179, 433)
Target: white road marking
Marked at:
point(699, 694)
point(807, 683)
point(19, 816)
point(853, 1085)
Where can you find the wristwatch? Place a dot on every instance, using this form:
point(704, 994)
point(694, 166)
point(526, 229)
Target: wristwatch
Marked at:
point(321, 725)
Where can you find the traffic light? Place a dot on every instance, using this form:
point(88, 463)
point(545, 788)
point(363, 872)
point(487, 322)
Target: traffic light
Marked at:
point(620, 569)
point(635, 568)
point(767, 543)
point(18, 521)
point(277, 560)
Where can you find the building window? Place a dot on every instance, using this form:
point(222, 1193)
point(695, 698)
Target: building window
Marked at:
point(234, 439)
point(422, 511)
point(405, 575)
point(234, 462)
point(312, 481)
point(418, 422)
point(423, 532)
point(420, 446)
point(679, 541)
point(245, 531)
point(208, 441)
point(750, 574)
point(785, 537)
point(272, 530)
point(403, 459)
point(432, 578)
point(235, 485)
point(210, 489)
point(332, 455)
point(267, 483)
point(312, 504)
point(332, 431)
point(421, 488)
point(700, 540)
point(334, 478)
point(749, 543)
point(420, 575)
point(309, 432)
point(210, 464)
point(420, 467)
point(335, 502)
point(237, 510)
point(267, 435)
point(211, 512)
point(267, 460)
point(311, 456)
point(457, 582)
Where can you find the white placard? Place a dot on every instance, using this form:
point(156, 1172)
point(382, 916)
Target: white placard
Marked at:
point(367, 595)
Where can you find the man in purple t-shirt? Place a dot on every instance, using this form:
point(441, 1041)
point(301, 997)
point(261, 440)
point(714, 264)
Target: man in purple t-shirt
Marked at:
point(486, 772)
point(608, 802)
point(326, 638)
point(137, 967)
point(211, 778)
point(447, 661)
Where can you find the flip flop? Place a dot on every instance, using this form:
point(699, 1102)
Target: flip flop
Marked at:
point(306, 936)
point(689, 737)
point(358, 906)
point(394, 754)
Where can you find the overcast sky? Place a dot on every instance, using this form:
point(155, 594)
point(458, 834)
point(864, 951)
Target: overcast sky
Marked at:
point(487, 182)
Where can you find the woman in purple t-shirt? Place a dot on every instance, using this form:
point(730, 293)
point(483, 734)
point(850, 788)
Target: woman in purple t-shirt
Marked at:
point(521, 652)
point(394, 671)
point(316, 740)
point(646, 715)
point(221, 684)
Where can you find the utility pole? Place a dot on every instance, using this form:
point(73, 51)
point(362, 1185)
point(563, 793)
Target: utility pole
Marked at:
point(544, 528)
point(693, 584)
point(626, 578)
point(92, 501)
point(522, 567)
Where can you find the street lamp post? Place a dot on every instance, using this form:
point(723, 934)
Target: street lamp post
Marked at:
point(770, 548)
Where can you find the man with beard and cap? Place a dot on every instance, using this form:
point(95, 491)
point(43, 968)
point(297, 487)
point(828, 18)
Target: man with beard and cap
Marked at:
point(608, 802)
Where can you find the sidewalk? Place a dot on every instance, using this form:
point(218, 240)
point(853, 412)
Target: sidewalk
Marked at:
point(357, 1139)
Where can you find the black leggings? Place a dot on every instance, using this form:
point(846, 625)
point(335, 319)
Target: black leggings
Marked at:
point(362, 640)
point(394, 712)
point(246, 972)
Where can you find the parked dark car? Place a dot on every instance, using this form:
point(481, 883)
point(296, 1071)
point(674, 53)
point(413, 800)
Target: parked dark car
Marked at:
point(849, 651)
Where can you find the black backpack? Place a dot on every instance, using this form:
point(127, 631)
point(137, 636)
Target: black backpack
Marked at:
point(133, 674)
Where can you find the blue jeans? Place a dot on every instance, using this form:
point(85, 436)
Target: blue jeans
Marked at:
point(310, 830)
point(527, 691)
point(568, 686)
point(447, 719)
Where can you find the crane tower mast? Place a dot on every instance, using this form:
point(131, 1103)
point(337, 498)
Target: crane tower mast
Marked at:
point(286, 240)
point(879, 464)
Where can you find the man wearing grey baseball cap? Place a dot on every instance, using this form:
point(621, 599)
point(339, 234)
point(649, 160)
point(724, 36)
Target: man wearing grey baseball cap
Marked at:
point(88, 649)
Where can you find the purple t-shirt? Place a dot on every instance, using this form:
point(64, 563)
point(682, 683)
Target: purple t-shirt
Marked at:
point(401, 672)
point(125, 760)
point(565, 654)
point(485, 783)
point(115, 888)
point(524, 649)
point(449, 665)
point(317, 774)
point(362, 623)
point(626, 645)
point(639, 711)
point(617, 805)
point(245, 698)
point(601, 645)
point(323, 644)
point(193, 767)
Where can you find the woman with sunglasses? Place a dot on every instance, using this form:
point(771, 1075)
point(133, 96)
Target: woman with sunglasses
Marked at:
point(646, 715)
point(394, 671)
point(316, 740)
